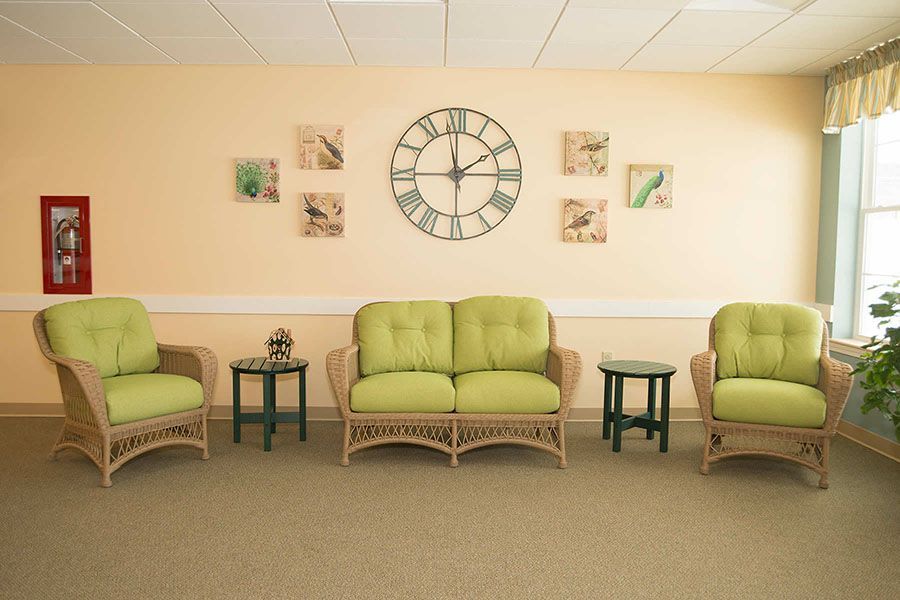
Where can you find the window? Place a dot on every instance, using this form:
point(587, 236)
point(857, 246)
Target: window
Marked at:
point(879, 236)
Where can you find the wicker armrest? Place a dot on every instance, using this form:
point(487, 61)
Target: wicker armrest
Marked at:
point(564, 369)
point(82, 390)
point(703, 373)
point(196, 362)
point(343, 371)
point(835, 380)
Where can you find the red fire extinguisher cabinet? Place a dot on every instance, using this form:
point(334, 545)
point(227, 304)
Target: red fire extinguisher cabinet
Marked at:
point(66, 244)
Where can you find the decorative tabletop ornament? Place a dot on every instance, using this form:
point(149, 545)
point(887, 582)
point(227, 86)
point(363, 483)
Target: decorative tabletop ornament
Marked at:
point(279, 344)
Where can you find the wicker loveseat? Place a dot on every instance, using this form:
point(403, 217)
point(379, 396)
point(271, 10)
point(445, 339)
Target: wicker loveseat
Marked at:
point(123, 393)
point(454, 376)
point(766, 386)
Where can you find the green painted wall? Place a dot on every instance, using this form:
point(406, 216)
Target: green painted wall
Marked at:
point(873, 421)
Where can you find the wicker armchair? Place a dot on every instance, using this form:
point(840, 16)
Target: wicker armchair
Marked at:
point(87, 428)
point(454, 433)
point(803, 445)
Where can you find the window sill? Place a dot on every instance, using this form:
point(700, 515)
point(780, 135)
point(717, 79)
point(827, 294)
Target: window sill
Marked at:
point(847, 347)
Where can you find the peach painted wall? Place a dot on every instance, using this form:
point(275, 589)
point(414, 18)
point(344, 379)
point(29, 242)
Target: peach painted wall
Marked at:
point(154, 149)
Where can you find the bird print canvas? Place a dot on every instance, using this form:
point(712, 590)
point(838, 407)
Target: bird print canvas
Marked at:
point(322, 147)
point(322, 214)
point(587, 153)
point(256, 180)
point(584, 221)
point(651, 186)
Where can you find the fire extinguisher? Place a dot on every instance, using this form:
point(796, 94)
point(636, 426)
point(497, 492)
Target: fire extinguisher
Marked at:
point(68, 243)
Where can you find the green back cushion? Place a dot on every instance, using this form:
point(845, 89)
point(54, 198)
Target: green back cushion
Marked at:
point(768, 341)
point(500, 333)
point(112, 333)
point(405, 336)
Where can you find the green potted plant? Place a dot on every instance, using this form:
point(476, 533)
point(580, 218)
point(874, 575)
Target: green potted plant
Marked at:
point(880, 364)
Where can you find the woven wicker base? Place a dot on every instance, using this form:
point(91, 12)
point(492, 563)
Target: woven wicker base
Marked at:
point(454, 436)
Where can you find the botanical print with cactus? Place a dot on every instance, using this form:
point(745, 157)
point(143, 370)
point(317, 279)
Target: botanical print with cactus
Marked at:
point(587, 153)
point(257, 180)
point(651, 186)
point(584, 221)
point(322, 214)
point(322, 147)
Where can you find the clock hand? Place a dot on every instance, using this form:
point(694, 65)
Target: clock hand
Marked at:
point(453, 155)
point(483, 157)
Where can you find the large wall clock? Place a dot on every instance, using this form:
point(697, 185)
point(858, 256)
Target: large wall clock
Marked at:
point(456, 173)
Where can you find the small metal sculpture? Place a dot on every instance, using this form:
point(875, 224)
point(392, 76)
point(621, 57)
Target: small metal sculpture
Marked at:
point(279, 344)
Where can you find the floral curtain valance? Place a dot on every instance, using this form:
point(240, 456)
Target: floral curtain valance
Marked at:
point(863, 87)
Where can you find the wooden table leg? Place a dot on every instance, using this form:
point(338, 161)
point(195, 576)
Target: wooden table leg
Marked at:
point(664, 417)
point(617, 415)
point(303, 405)
point(651, 403)
point(607, 403)
point(268, 385)
point(236, 405)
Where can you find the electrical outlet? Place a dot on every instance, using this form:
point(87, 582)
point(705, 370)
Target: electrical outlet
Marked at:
point(606, 356)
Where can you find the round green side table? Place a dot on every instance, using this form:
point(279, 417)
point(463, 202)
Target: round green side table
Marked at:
point(615, 372)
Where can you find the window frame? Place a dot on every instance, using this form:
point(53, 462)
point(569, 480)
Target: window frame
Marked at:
point(866, 207)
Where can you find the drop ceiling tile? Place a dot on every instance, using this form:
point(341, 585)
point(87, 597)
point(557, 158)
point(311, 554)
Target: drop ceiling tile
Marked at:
point(556, 3)
point(171, 20)
point(398, 52)
point(773, 6)
point(717, 28)
point(307, 21)
point(685, 59)
point(402, 21)
point(828, 33)
point(879, 37)
point(31, 49)
point(585, 55)
point(282, 51)
point(501, 22)
point(854, 8)
point(8, 29)
point(820, 67)
point(207, 50)
point(670, 4)
point(151, 1)
point(610, 26)
point(768, 61)
point(121, 51)
point(514, 54)
point(63, 19)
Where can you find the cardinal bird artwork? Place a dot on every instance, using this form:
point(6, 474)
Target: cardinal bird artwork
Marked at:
point(322, 147)
point(587, 153)
point(584, 221)
point(651, 186)
point(322, 214)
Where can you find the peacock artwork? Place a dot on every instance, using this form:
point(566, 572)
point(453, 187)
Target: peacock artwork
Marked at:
point(322, 147)
point(587, 153)
point(322, 214)
point(584, 221)
point(651, 186)
point(256, 180)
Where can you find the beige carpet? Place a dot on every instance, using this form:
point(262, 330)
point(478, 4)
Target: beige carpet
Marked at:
point(399, 523)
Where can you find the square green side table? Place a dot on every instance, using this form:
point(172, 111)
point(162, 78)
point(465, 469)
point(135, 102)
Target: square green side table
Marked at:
point(269, 369)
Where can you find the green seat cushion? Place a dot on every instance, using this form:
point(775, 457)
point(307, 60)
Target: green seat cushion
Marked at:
point(505, 392)
point(405, 336)
point(768, 341)
point(146, 396)
point(112, 333)
point(500, 333)
point(412, 391)
point(768, 402)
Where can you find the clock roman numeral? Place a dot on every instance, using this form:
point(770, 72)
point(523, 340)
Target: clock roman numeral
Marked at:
point(509, 174)
point(455, 228)
point(402, 174)
point(503, 147)
point(428, 127)
point(502, 201)
point(428, 220)
point(457, 122)
point(415, 149)
point(485, 224)
point(409, 201)
point(483, 127)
